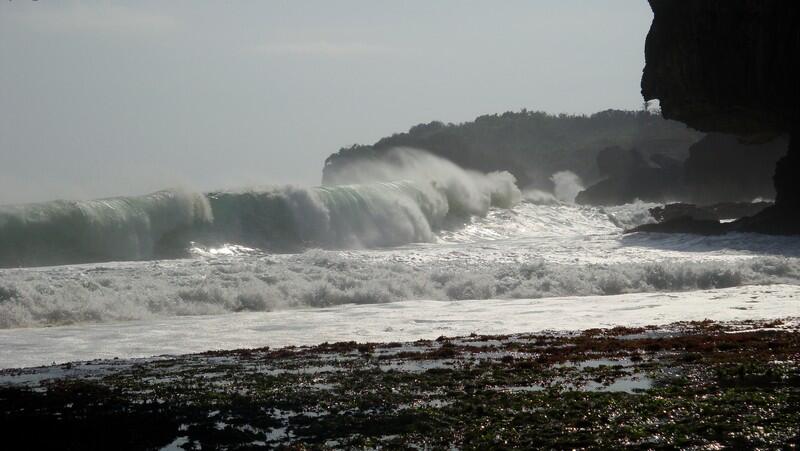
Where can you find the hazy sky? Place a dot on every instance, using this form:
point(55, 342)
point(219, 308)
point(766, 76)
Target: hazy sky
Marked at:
point(110, 98)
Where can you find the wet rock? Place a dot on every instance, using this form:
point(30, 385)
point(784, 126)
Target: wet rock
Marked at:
point(716, 212)
point(686, 224)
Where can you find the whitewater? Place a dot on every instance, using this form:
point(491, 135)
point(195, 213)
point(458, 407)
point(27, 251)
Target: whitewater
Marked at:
point(404, 248)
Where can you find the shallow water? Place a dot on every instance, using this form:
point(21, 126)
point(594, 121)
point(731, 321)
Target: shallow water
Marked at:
point(397, 321)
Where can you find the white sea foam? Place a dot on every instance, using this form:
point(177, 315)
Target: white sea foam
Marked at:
point(530, 251)
point(398, 321)
point(630, 215)
point(422, 245)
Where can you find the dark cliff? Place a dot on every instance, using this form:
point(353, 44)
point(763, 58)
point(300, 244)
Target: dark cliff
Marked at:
point(732, 66)
point(725, 65)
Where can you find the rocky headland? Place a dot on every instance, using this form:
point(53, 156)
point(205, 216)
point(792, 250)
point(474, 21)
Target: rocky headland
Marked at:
point(730, 66)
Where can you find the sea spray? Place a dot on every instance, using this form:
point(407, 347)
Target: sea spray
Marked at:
point(566, 186)
point(406, 197)
point(448, 189)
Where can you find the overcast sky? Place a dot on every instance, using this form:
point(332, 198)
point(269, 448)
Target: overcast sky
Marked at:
point(110, 98)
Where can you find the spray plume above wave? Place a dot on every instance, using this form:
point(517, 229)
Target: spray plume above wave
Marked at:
point(406, 197)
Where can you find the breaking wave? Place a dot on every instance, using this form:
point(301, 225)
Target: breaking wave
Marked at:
point(122, 228)
point(527, 251)
point(403, 199)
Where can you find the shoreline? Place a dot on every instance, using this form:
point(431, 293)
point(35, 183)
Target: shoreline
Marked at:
point(686, 384)
point(384, 322)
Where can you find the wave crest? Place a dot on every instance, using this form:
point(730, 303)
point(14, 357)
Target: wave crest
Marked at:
point(105, 229)
point(403, 199)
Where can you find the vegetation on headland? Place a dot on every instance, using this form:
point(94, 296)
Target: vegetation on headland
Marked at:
point(702, 385)
point(532, 145)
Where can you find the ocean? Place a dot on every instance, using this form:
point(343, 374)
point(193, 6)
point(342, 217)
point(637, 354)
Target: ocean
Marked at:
point(439, 251)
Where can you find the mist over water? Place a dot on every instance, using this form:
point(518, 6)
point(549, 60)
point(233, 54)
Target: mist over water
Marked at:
point(404, 198)
point(567, 185)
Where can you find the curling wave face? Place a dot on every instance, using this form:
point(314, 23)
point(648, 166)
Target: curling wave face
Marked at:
point(376, 211)
point(122, 228)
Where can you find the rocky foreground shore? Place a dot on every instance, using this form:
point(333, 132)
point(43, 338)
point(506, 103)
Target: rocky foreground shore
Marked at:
point(690, 385)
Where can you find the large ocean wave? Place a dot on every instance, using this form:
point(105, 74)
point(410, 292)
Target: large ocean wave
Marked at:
point(122, 228)
point(403, 199)
point(409, 227)
point(527, 251)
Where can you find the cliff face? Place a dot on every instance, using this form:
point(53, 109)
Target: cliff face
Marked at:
point(732, 66)
point(725, 65)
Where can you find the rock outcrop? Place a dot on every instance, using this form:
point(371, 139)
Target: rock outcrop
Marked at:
point(631, 176)
point(725, 65)
point(715, 212)
point(722, 168)
point(732, 66)
point(531, 145)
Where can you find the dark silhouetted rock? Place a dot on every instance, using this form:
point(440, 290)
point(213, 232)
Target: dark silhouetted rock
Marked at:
point(630, 177)
point(722, 168)
point(685, 224)
point(716, 212)
point(732, 66)
point(771, 220)
point(667, 162)
point(615, 161)
point(725, 65)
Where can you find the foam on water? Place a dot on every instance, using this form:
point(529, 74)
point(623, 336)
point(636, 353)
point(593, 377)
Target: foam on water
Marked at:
point(398, 321)
point(427, 243)
point(534, 251)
